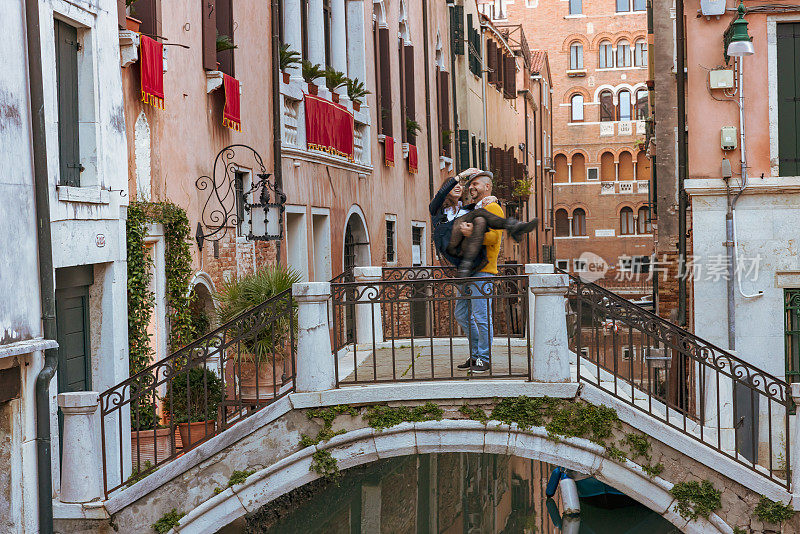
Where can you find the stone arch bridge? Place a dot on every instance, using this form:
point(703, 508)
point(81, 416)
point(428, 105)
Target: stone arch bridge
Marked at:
point(383, 361)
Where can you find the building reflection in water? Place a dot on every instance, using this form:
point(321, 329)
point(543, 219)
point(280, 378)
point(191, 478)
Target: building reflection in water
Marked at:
point(456, 493)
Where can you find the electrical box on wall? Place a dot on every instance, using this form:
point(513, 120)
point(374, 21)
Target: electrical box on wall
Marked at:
point(710, 8)
point(729, 138)
point(720, 79)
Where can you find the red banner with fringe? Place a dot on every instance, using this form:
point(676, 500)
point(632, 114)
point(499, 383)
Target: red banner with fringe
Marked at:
point(413, 161)
point(231, 115)
point(151, 65)
point(388, 151)
point(329, 127)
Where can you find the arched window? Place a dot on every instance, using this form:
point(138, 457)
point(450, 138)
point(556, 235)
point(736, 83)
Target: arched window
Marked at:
point(641, 105)
point(578, 168)
point(606, 55)
point(575, 56)
point(625, 166)
point(642, 166)
point(626, 221)
point(623, 54)
point(562, 169)
point(640, 53)
point(607, 171)
point(576, 103)
point(643, 223)
point(562, 223)
point(624, 105)
point(579, 222)
point(607, 106)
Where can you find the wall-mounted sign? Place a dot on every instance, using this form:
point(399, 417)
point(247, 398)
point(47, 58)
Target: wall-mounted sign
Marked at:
point(100, 240)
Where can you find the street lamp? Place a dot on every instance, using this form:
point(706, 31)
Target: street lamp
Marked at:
point(738, 42)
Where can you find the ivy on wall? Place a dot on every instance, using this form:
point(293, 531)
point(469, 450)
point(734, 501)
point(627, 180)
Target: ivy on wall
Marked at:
point(178, 270)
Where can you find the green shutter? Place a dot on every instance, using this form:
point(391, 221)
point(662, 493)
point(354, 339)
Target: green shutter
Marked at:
point(482, 146)
point(66, 38)
point(789, 98)
point(463, 150)
point(457, 29)
point(72, 320)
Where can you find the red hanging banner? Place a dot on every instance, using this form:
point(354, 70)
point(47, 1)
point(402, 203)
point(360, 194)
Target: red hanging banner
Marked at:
point(413, 162)
point(231, 115)
point(151, 65)
point(388, 151)
point(329, 127)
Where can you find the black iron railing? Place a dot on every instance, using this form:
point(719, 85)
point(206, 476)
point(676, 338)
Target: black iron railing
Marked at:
point(197, 392)
point(692, 385)
point(404, 327)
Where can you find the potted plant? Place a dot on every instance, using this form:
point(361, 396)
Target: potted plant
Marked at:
point(412, 127)
point(288, 57)
point(523, 187)
point(334, 80)
point(131, 23)
point(259, 363)
point(311, 72)
point(356, 92)
point(446, 140)
point(150, 441)
point(193, 397)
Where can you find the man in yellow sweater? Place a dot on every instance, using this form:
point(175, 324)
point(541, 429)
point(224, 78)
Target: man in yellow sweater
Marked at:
point(475, 314)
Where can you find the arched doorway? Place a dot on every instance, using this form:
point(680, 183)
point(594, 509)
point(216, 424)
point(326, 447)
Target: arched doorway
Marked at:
point(355, 253)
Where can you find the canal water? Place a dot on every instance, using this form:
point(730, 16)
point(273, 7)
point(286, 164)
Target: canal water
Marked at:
point(456, 493)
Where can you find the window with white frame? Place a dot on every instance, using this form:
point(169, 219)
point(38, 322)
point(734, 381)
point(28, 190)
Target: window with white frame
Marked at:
point(575, 7)
point(625, 6)
point(640, 53)
point(391, 239)
point(623, 54)
point(576, 56)
point(576, 103)
point(606, 55)
point(592, 174)
point(624, 105)
point(562, 264)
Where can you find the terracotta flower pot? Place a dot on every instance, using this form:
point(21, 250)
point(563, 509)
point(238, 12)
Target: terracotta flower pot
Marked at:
point(259, 382)
point(132, 24)
point(200, 430)
point(149, 446)
point(312, 89)
point(356, 105)
point(335, 96)
point(286, 77)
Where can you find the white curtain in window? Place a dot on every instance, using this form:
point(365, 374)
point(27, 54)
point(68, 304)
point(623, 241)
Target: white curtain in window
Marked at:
point(577, 107)
point(640, 53)
point(624, 105)
point(576, 56)
point(606, 55)
point(623, 54)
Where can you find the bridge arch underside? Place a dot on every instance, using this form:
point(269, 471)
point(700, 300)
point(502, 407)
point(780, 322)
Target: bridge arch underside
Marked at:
point(366, 445)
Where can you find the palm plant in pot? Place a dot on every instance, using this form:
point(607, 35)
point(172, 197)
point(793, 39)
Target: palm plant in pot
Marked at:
point(356, 92)
point(192, 400)
point(288, 58)
point(260, 362)
point(311, 72)
point(334, 80)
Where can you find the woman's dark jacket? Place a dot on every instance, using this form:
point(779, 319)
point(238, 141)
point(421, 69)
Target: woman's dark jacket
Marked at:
point(442, 228)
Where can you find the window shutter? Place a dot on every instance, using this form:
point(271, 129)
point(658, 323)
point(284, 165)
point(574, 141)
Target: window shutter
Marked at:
point(444, 108)
point(491, 61)
point(457, 29)
point(121, 14)
point(500, 68)
point(149, 12)
point(408, 66)
point(385, 81)
point(510, 87)
point(66, 38)
point(209, 35)
point(474, 152)
point(470, 56)
point(463, 150)
point(225, 27)
point(789, 98)
point(482, 146)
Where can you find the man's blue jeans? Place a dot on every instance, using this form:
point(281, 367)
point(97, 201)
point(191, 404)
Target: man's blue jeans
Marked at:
point(478, 323)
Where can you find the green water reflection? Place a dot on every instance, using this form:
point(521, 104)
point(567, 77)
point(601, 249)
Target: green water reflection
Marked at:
point(454, 493)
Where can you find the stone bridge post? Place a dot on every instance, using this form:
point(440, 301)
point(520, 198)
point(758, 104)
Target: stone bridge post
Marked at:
point(547, 310)
point(81, 472)
point(368, 317)
point(315, 364)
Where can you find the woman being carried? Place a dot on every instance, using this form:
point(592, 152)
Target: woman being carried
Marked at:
point(462, 250)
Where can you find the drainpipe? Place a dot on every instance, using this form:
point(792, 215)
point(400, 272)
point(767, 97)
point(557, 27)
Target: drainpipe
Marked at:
point(456, 151)
point(427, 93)
point(276, 104)
point(483, 96)
point(682, 157)
point(46, 275)
point(525, 93)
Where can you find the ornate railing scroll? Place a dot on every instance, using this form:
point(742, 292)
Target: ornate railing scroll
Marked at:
point(692, 385)
point(198, 391)
point(405, 326)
